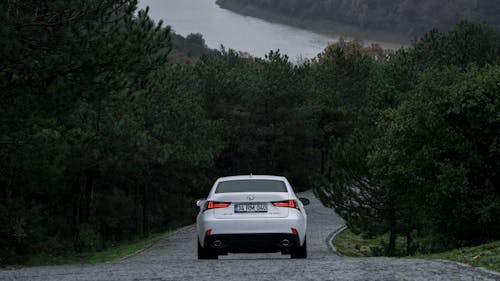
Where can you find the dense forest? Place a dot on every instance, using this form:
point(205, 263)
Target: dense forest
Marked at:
point(408, 17)
point(110, 130)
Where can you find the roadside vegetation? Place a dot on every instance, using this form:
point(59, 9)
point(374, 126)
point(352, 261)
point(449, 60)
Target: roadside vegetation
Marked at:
point(356, 245)
point(115, 251)
point(107, 134)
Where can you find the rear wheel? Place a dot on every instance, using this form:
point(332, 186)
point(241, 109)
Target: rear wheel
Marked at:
point(206, 254)
point(299, 252)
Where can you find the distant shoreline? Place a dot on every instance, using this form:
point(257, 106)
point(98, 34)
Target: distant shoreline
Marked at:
point(388, 40)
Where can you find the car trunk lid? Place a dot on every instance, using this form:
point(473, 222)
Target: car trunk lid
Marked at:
point(250, 205)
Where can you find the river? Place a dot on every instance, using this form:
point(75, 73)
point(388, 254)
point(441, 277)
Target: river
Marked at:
point(243, 33)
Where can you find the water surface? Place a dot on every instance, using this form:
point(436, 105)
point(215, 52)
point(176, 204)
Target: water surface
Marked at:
point(248, 34)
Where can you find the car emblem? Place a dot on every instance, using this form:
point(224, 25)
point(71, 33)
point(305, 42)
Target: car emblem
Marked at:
point(250, 197)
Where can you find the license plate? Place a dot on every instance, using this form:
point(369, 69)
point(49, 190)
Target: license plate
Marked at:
point(250, 208)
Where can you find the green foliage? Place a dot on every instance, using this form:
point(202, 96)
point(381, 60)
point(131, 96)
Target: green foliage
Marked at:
point(114, 252)
point(258, 103)
point(92, 117)
point(422, 161)
point(189, 49)
point(440, 145)
point(485, 255)
point(353, 245)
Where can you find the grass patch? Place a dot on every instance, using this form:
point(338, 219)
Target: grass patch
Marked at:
point(353, 245)
point(113, 252)
point(349, 244)
point(485, 255)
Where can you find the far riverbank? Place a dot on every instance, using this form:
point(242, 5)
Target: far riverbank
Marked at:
point(387, 40)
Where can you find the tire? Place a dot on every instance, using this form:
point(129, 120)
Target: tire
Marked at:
point(299, 252)
point(206, 254)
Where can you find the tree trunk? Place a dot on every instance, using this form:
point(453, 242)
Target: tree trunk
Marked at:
point(391, 248)
point(83, 189)
point(145, 211)
point(104, 236)
point(408, 242)
point(87, 194)
point(137, 211)
point(77, 214)
point(325, 150)
point(322, 163)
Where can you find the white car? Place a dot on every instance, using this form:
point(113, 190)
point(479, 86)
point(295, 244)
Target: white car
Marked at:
point(251, 214)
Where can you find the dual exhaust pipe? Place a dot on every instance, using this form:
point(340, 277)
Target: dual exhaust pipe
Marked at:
point(285, 243)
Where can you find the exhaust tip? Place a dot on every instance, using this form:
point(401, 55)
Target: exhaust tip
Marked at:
point(285, 243)
point(217, 243)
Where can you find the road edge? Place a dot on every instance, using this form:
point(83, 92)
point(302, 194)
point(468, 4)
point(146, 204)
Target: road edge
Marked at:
point(329, 240)
point(482, 270)
point(170, 233)
point(469, 267)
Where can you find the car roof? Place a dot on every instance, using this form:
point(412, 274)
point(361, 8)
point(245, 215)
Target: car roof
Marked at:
point(252, 177)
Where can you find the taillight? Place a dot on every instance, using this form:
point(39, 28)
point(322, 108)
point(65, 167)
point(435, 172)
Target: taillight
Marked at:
point(287, 204)
point(216, 205)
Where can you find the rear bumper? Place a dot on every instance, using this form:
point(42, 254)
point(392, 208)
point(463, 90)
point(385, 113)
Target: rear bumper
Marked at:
point(258, 226)
point(244, 226)
point(252, 243)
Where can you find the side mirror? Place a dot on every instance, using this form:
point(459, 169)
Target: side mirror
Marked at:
point(200, 202)
point(304, 201)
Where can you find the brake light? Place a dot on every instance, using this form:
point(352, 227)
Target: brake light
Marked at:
point(294, 231)
point(286, 204)
point(208, 232)
point(216, 205)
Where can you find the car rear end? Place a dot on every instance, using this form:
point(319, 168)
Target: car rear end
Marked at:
point(251, 214)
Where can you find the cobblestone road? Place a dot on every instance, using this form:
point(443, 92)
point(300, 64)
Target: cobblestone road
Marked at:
point(174, 258)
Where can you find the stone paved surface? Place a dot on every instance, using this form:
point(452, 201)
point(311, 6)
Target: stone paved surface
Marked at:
point(174, 258)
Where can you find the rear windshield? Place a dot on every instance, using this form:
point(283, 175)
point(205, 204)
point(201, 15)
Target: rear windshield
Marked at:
point(251, 186)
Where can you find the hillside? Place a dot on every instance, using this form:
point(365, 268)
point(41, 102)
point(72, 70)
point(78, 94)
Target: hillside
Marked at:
point(408, 18)
point(188, 49)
